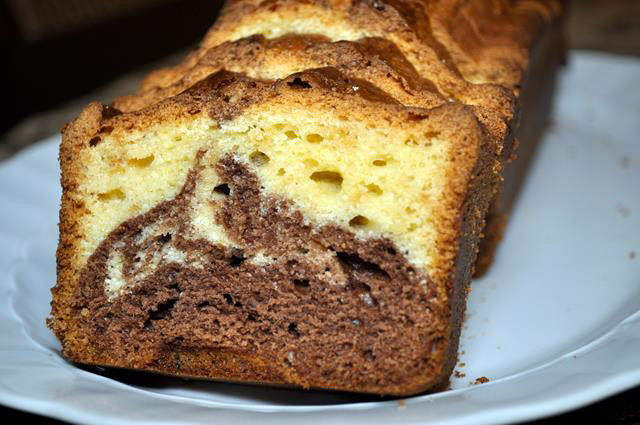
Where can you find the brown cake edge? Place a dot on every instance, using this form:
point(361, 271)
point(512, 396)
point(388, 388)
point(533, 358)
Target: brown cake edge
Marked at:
point(533, 110)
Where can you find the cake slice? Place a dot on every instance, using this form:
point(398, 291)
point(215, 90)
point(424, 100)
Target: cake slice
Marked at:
point(310, 232)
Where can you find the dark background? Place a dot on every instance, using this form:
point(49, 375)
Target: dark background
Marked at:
point(54, 51)
point(58, 55)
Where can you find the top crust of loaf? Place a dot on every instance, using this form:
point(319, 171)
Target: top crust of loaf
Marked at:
point(451, 42)
point(484, 41)
point(373, 59)
point(404, 24)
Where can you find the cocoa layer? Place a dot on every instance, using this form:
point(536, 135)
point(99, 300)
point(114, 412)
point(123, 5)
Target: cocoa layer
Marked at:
point(316, 305)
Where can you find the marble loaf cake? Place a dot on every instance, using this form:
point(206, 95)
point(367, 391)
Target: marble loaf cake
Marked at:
point(300, 202)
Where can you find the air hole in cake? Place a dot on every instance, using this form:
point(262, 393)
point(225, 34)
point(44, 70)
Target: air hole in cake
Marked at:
point(111, 195)
point(359, 221)
point(291, 134)
point(314, 138)
point(203, 304)
point(164, 239)
point(253, 317)
point(222, 189)
point(293, 330)
point(281, 172)
point(94, 141)
point(364, 292)
point(391, 251)
point(431, 134)
point(368, 354)
point(417, 117)
point(301, 285)
point(374, 188)
point(331, 180)
point(163, 310)
point(106, 129)
point(141, 162)
point(354, 262)
point(299, 83)
point(228, 298)
point(237, 257)
point(259, 158)
point(379, 162)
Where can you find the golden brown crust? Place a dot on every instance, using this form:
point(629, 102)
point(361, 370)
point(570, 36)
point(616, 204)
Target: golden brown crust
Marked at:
point(373, 59)
point(489, 41)
point(483, 41)
point(75, 133)
point(403, 23)
point(534, 104)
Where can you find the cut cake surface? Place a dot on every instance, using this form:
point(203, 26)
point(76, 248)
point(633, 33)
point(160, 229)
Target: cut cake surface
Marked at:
point(309, 232)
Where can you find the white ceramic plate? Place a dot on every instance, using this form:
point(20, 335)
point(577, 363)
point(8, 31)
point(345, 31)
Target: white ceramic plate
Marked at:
point(554, 325)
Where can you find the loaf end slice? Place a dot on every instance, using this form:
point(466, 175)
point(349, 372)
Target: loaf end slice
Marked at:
point(308, 232)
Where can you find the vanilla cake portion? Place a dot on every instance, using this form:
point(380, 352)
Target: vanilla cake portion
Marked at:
point(309, 232)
